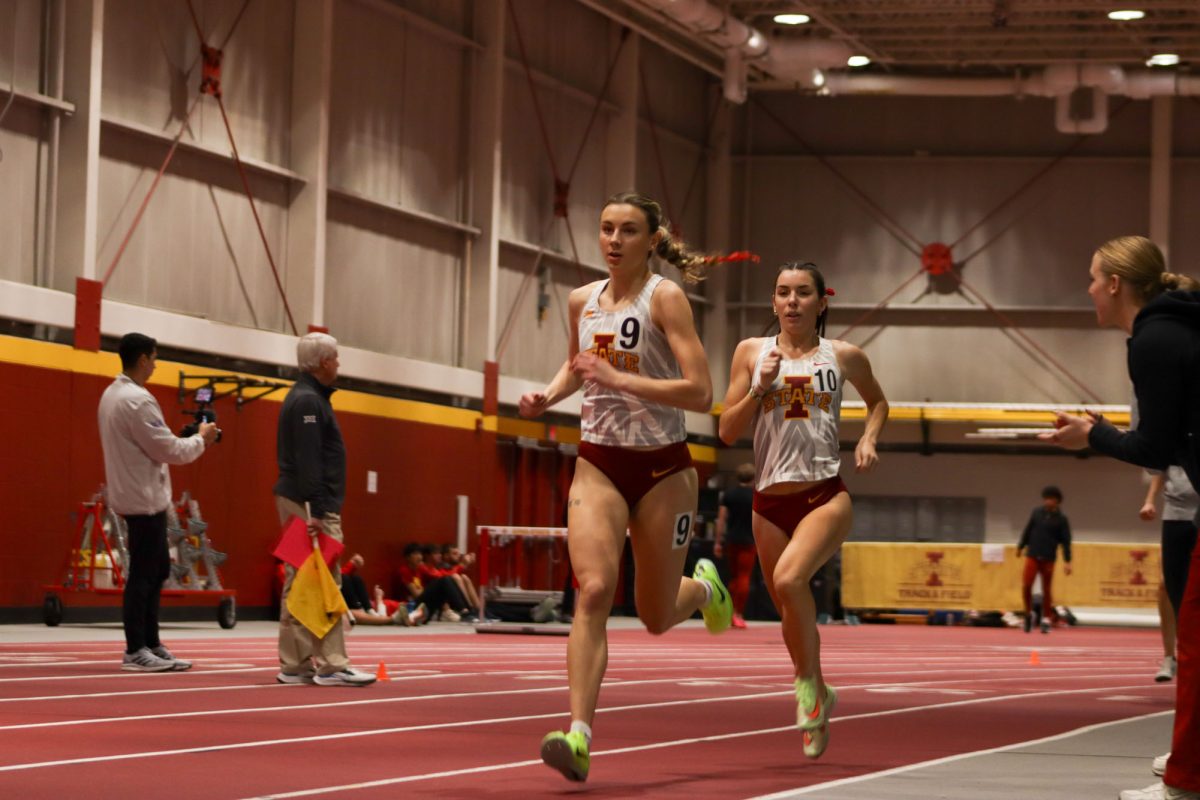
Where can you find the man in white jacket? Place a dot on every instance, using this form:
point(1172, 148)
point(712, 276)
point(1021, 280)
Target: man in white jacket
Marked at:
point(138, 445)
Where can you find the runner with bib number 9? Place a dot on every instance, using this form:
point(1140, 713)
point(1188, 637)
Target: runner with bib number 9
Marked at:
point(790, 387)
point(635, 353)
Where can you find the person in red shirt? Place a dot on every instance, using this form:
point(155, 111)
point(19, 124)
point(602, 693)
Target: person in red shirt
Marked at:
point(427, 584)
point(380, 610)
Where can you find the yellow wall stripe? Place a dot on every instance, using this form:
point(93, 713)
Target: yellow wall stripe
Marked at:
point(47, 355)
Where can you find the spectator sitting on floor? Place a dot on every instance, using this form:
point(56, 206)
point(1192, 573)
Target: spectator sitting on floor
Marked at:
point(455, 562)
point(435, 568)
point(424, 584)
point(380, 611)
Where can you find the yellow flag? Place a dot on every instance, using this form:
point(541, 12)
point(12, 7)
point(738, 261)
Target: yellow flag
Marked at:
point(315, 600)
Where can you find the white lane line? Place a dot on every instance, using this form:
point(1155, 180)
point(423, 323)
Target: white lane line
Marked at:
point(118, 673)
point(682, 742)
point(436, 726)
point(803, 790)
point(991, 675)
point(375, 732)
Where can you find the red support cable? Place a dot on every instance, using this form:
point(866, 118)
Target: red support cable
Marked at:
point(910, 242)
point(137, 218)
point(214, 88)
point(257, 221)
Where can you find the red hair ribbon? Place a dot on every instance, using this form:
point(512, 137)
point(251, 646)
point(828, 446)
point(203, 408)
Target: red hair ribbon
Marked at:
point(737, 255)
point(829, 292)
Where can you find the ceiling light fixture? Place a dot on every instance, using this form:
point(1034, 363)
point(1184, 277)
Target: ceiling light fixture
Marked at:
point(857, 61)
point(793, 19)
point(1162, 60)
point(1126, 14)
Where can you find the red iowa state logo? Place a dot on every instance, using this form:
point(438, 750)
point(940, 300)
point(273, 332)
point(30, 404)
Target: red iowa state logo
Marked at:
point(798, 395)
point(603, 345)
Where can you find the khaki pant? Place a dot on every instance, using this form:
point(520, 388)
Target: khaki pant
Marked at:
point(297, 645)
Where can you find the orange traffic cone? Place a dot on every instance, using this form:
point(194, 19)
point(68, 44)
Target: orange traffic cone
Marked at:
point(1033, 660)
point(381, 673)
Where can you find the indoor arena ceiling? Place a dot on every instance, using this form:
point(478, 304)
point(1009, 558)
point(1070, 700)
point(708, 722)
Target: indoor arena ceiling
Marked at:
point(955, 37)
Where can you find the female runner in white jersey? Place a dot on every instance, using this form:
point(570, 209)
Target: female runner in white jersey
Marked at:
point(635, 352)
point(790, 387)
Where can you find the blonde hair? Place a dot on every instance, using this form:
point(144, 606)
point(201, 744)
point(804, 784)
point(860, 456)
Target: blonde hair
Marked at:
point(745, 473)
point(1138, 261)
point(313, 348)
point(689, 263)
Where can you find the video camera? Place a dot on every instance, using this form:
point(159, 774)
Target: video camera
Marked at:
point(202, 413)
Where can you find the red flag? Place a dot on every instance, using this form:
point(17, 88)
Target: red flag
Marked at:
point(296, 545)
point(330, 547)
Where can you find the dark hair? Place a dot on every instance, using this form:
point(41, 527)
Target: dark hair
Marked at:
point(133, 346)
point(410, 548)
point(427, 549)
point(818, 281)
point(1052, 491)
point(689, 263)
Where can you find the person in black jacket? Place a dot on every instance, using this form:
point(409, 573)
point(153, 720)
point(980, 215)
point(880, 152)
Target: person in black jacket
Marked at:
point(1047, 529)
point(1132, 290)
point(312, 486)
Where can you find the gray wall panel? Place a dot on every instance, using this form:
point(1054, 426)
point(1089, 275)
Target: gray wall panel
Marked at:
point(396, 112)
point(535, 350)
point(197, 249)
point(19, 196)
point(390, 283)
point(148, 48)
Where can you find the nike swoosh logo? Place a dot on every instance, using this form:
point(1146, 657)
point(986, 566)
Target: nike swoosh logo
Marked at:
point(812, 501)
point(821, 363)
point(816, 712)
point(658, 473)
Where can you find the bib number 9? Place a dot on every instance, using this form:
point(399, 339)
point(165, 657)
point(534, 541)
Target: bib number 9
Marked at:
point(683, 530)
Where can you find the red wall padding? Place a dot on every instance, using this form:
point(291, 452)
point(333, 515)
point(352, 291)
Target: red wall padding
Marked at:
point(50, 462)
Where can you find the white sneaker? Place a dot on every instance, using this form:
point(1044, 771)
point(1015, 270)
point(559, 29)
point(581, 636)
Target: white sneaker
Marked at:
point(347, 677)
point(177, 664)
point(1159, 765)
point(450, 615)
point(1167, 670)
point(1158, 791)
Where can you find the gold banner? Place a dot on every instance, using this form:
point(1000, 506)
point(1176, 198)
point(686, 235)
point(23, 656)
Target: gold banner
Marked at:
point(988, 577)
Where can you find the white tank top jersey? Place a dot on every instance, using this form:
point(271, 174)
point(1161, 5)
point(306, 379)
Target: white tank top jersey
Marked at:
point(630, 342)
point(796, 425)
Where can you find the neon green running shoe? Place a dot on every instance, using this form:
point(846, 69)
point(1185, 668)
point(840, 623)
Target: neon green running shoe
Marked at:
point(812, 713)
point(718, 614)
point(815, 741)
point(567, 753)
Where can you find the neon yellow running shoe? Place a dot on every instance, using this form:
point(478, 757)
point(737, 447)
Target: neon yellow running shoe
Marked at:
point(815, 741)
point(567, 753)
point(812, 713)
point(718, 614)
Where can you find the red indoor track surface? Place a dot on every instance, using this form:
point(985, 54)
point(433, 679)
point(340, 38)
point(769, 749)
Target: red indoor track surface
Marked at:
point(683, 715)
